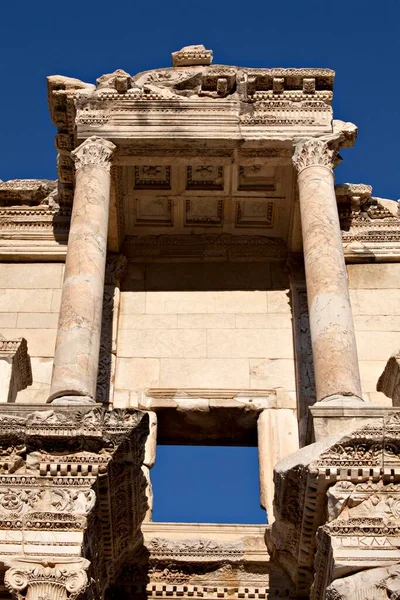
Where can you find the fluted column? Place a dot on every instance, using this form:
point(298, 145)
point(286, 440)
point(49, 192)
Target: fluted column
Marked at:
point(78, 337)
point(331, 320)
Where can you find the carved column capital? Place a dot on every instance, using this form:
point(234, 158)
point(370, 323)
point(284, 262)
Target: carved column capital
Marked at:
point(94, 151)
point(60, 579)
point(314, 152)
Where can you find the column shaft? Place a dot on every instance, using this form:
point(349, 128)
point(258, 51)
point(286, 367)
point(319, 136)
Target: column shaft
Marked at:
point(331, 320)
point(78, 337)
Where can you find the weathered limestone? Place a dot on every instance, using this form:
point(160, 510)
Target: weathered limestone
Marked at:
point(15, 368)
point(331, 322)
point(278, 436)
point(37, 579)
point(78, 338)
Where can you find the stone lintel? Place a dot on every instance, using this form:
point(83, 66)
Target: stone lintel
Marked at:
point(210, 416)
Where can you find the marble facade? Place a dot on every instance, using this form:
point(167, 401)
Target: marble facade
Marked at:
point(195, 276)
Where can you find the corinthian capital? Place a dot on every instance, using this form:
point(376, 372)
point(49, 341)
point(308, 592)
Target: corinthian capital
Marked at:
point(94, 151)
point(314, 152)
point(64, 579)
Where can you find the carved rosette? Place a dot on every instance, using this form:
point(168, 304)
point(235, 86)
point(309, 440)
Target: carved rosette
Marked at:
point(94, 152)
point(38, 580)
point(314, 152)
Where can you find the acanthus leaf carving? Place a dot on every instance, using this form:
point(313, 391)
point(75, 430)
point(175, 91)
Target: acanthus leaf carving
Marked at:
point(314, 152)
point(94, 151)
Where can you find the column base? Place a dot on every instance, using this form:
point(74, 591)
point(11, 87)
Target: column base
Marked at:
point(341, 400)
point(72, 400)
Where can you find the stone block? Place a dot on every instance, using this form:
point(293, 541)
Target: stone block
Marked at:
point(375, 302)
point(202, 321)
point(137, 373)
point(56, 301)
point(204, 373)
point(132, 303)
point(376, 276)
point(370, 371)
point(206, 302)
point(278, 302)
point(31, 275)
point(272, 373)
point(121, 398)
point(376, 345)
point(377, 323)
point(8, 320)
point(237, 343)
point(41, 342)
point(14, 300)
point(260, 321)
point(148, 343)
point(37, 320)
point(132, 321)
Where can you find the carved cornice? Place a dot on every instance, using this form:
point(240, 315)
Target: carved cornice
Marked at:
point(314, 152)
point(94, 152)
point(41, 580)
point(368, 455)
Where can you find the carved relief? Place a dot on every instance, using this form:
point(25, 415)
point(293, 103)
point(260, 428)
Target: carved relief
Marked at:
point(39, 580)
point(205, 177)
point(251, 212)
point(313, 152)
point(154, 210)
point(94, 151)
point(203, 211)
point(152, 177)
point(256, 177)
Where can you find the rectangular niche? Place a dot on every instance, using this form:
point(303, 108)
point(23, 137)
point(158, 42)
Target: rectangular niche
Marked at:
point(205, 177)
point(202, 211)
point(152, 177)
point(153, 210)
point(256, 178)
point(254, 212)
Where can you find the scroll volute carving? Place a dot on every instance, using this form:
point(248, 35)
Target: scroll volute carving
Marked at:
point(40, 580)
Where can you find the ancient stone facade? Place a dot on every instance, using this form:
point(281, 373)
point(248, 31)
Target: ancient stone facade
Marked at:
point(195, 275)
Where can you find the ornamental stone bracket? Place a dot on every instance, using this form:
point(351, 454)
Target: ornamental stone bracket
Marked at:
point(337, 513)
point(15, 368)
point(72, 498)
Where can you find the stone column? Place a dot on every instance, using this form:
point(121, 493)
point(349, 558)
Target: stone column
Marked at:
point(331, 320)
point(35, 579)
point(78, 338)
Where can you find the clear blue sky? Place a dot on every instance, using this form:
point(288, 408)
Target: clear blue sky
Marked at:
point(358, 38)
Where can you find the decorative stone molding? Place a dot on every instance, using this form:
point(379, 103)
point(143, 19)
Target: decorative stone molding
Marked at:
point(94, 151)
point(41, 580)
point(345, 488)
point(115, 270)
point(314, 152)
point(71, 484)
point(15, 368)
point(192, 55)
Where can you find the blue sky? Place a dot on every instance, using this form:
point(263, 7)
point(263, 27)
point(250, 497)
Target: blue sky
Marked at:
point(358, 38)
